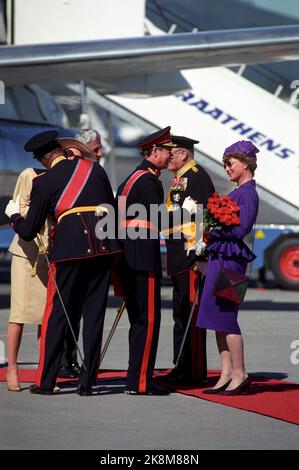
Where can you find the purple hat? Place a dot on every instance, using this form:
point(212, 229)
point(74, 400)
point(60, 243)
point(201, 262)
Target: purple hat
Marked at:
point(242, 146)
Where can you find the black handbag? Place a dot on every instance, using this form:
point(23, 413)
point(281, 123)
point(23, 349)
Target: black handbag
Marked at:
point(231, 285)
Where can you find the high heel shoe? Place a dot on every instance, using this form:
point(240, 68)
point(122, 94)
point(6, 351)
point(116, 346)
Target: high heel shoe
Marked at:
point(241, 389)
point(13, 385)
point(14, 388)
point(214, 391)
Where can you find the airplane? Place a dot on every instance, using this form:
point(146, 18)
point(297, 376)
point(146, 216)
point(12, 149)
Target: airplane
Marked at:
point(144, 65)
point(125, 65)
point(141, 65)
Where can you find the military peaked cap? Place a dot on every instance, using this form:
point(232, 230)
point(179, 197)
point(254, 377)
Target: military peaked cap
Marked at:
point(42, 143)
point(183, 142)
point(157, 139)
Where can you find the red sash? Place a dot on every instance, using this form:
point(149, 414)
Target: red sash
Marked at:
point(128, 187)
point(74, 187)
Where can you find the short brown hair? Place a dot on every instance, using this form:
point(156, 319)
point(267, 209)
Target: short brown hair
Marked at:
point(242, 157)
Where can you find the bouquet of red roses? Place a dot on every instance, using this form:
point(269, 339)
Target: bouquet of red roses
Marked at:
point(220, 212)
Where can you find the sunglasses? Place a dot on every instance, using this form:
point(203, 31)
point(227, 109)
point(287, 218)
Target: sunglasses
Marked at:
point(230, 164)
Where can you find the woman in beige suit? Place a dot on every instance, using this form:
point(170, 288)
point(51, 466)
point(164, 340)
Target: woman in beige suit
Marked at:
point(28, 281)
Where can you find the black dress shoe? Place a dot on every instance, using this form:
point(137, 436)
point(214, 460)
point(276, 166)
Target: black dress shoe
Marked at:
point(84, 391)
point(76, 369)
point(151, 390)
point(39, 390)
point(214, 391)
point(179, 378)
point(170, 376)
point(65, 372)
point(187, 380)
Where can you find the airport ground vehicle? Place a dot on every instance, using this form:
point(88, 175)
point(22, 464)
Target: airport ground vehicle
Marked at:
point(277, 249)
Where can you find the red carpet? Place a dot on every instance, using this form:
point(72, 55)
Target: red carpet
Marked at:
point(270, 397)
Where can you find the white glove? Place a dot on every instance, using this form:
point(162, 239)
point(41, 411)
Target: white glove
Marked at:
point(190, 205)
point(13, 207)
point(200, 247)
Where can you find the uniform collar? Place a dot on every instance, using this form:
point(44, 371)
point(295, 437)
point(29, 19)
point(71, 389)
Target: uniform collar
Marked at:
point(57, 160)
point(186, 167)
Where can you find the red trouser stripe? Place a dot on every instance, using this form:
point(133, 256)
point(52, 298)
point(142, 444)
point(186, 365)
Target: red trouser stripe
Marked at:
point(193, 281)
point(51, 291)
point(150, 329)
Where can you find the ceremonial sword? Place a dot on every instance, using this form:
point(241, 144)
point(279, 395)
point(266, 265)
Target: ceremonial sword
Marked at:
point(113, 328)
point(188, 325)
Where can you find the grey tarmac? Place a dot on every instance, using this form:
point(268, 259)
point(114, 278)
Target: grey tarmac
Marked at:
point(111, 420)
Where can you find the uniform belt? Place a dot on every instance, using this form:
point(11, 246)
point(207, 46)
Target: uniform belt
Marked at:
point(78, 210)
point(138, 224)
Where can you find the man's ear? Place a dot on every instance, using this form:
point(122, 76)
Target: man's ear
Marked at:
point(185, 155)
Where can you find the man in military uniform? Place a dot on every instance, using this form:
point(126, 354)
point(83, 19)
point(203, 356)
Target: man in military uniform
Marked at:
point(140, 269)
point(81, 264)
point(87, 145)
point(191, 183)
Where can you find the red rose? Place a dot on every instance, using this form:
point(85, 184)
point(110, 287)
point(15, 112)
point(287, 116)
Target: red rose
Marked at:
point(221, 212)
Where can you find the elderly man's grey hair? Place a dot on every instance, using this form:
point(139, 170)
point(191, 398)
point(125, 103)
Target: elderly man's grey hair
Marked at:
point(88, 135)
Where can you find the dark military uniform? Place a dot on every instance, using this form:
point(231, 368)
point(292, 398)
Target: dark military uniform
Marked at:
point(191, 180)
point(141, 273)
point(140, 269)
point(81, 262)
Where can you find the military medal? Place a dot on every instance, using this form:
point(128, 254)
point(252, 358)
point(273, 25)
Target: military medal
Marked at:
point(179, 184)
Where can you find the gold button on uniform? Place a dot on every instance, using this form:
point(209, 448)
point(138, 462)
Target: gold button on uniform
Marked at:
point(89, 250)
point(85, 231)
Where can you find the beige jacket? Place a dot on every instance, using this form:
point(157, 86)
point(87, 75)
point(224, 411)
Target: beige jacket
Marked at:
point(19, 246)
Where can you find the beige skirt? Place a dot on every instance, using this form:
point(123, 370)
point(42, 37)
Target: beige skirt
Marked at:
point(28, 293)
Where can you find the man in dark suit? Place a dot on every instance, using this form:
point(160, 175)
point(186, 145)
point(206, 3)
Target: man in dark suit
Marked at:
point(81, 263)
point(140, 269)
point(190, 184)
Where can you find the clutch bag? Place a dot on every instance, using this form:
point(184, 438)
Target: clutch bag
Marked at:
point(231, 285)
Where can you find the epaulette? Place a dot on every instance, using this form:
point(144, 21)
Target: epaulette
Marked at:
point(38, 171)
point(154, 172)
point(40, 174)
point(194, 169)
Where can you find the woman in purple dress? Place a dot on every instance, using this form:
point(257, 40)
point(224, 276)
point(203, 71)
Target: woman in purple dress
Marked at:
point(227, 249)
